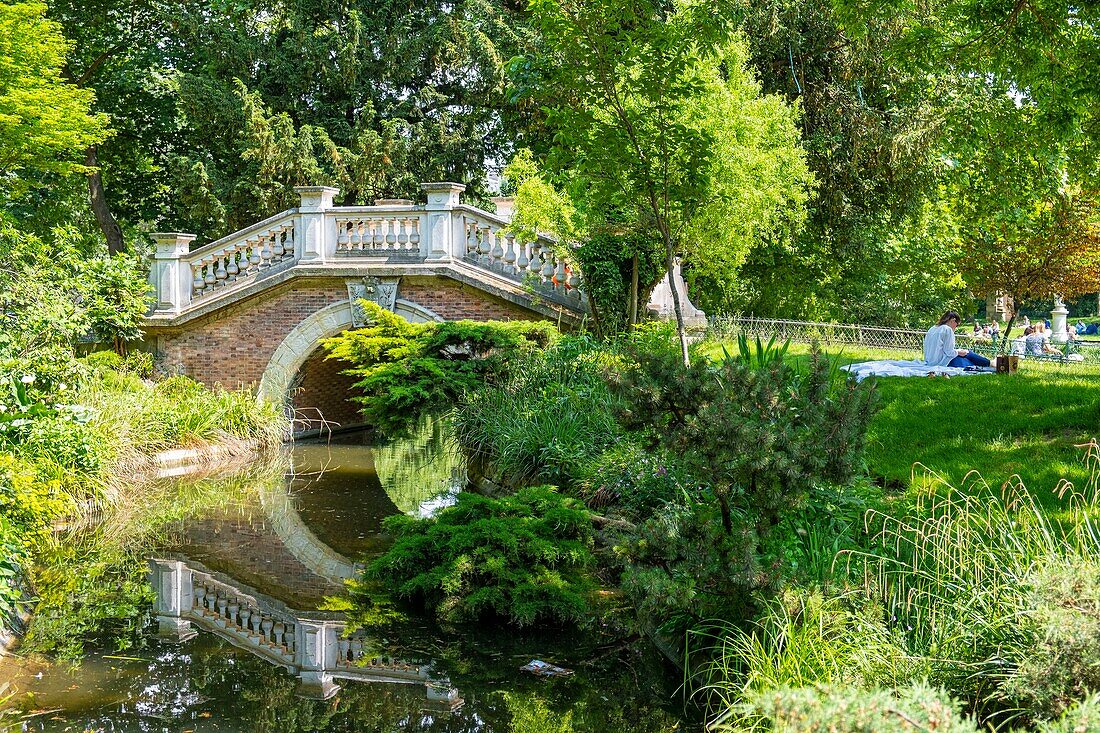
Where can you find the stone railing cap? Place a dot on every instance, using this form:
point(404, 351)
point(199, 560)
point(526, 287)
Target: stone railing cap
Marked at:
point(172, 236)
point(443, 186)
point(316, 189)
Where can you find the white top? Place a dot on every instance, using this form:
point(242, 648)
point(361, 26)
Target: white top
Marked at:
point(939, 346)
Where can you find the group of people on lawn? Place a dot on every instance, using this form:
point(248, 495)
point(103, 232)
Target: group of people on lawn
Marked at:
point(940, 351)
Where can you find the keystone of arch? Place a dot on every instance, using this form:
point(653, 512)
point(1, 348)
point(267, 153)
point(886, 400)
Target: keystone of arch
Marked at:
point(304, 339)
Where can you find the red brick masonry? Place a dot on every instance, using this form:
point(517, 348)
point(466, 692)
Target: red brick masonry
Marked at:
point(232, 347)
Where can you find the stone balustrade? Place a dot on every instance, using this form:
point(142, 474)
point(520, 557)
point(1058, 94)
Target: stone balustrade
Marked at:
point(318, 234)
point(317, 649)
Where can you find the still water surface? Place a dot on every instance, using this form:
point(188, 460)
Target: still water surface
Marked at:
point(288, 539)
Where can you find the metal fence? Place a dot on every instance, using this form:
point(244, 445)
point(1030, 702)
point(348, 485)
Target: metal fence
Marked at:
point(896, 340)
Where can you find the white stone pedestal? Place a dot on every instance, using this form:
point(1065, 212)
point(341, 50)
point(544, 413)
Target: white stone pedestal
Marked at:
point(1058, 333)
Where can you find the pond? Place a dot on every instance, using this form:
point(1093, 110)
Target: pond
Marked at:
point(245, 633)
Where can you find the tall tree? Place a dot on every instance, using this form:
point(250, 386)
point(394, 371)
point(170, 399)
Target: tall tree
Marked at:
point(875, 247)
point(46, 122)
point(662, 127)
point(124, 51)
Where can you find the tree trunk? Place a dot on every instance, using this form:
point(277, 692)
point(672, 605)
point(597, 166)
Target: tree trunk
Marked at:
point(1002, 347)
point(112, 232)
point(681, 329)
point(632, 318)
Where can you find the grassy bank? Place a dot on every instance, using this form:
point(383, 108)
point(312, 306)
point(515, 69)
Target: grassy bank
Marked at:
point(84, 443)
point(1029, 424)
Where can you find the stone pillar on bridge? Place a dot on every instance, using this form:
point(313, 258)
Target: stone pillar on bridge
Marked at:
point(444, 229)
point(316, 242)
point(170, 274)
point(171, 581)
point(316, 646)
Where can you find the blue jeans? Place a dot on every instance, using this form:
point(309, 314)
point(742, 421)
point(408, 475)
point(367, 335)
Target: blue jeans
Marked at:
point(971, 359)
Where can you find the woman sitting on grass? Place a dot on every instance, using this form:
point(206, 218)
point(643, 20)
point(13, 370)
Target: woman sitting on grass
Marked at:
point(939, 346)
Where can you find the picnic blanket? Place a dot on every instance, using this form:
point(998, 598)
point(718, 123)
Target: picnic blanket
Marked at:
point(903, 368)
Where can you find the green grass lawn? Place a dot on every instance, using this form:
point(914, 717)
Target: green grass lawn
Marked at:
point(1025, 424)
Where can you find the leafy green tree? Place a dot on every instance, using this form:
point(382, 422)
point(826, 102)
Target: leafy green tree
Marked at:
point(879, 244)
point(45, 121)
point(663, 129)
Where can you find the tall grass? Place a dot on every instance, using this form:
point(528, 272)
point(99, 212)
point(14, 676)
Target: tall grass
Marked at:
point(135, 419)
point(985, 593)
point(800, 640)
point(553, 416)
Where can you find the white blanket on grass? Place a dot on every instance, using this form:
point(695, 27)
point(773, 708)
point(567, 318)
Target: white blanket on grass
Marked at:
point(902, 368)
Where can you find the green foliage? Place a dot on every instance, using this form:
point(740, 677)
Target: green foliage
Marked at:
point(607, 261)
point(850, 710)
point(545, 422)
point(1083, 717)
point(523, 558)
point(45, 121)
point(761, 436)
point(406, 370)
point(638, 480)
point(962, 575)
point(13, 558)
point(662, 130)
point(1063, 664)
point(800, 640)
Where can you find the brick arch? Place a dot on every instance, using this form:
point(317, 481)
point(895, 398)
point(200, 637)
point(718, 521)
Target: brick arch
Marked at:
point(302, 342)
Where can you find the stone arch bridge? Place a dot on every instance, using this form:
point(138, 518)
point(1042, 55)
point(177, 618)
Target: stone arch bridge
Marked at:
point(251, 308)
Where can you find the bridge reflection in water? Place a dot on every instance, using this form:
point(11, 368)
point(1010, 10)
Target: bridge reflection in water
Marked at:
point(313, 646)
point(257, 579)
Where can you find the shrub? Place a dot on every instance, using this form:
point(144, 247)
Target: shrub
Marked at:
point(544, 423)
point(1063, 662)
point(849, 710)
point(1082, 718)
point(522, 558)
point(638, 480)
point(103, 360)
point(406, 370)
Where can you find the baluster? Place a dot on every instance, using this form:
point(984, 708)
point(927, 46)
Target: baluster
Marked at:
point(355, 235)
point(209, 281)
point(289, 244)
point(574, 283)
point(523, 261)
point(414, 234)
point(536, 260)
point(277, 244)
point(547, 265)
point(471, 238)
point(265, 253)
point(378, 238)
point(343, 235)
point(278, 630)
point(265, 626)
point(391, 233)
point(199, 591)
point(497, 252)
point(232, 268)
point(510, 253)
point(257, 618)
point(246, 616)
point(403, 234)
point(211, 599)
point(484, 247)
point(291, 637)
point(559, 275)
point(198, 282)
point(244, 263)
point(221, 603)
point(355, 650)
point(343, 646)
point(256, 257)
